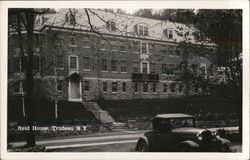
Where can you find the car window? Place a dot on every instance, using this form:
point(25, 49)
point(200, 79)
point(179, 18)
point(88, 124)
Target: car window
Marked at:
point(179, 123)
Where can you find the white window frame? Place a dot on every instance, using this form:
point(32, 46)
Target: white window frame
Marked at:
point(146, 47)
point(147, 66)
point(84, 69)
point(125, 63)
point(77, 63)
point(107, 65)
point(143, 29)
point(117, 66)
point(86, 39)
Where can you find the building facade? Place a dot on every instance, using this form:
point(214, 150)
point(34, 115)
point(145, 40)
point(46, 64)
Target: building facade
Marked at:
point(91, 54)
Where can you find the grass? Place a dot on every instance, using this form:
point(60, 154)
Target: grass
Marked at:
point(44, 111)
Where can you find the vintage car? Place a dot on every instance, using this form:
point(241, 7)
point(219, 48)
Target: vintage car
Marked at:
point(177, 133)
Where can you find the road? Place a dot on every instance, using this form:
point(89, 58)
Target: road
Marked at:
point(120, 141)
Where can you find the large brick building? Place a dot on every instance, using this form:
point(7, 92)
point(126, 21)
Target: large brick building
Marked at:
point(106, 55)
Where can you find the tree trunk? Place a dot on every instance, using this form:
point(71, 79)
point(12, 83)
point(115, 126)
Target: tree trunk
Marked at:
point(29, 16)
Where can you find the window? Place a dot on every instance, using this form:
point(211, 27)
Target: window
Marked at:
point(145, 87)
point(86, 42)
point(145, 31)
point(136, 46)
point(86, 85)
point(165, 88)
point(59, 61)
point(111, 25)
point(103, 45)
point(171, 69)
point(152, 67)
point(140, 30)
point(136, 67)
point(104, 86)
point(113, 46)
point(170, 34)
point(72, 40)
point(180, 88)
point(124, 87)
point(114, 66)
point(86, 63)
point(123, 66)
point(164, 68)
point(114, 86)
point(104, 65)
point(163, 49)
point(151, 48)
point(203, 68)
point(172, 87)
point(144, 48)
point(136, 87)
point(178, 51)
point(123, 47)
point(171, 50)
point(153, 87)
point(59, 85)
point(144, 67)
point(73, 62)
point(36, 62)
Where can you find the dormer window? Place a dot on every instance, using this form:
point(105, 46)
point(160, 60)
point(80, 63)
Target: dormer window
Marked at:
point(111, 25)
point(141, 30)
point(169, 33)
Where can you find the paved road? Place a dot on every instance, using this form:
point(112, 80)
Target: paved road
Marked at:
point(120, 137)
point(120, 141)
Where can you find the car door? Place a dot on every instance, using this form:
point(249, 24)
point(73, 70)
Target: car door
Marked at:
point(166, 141)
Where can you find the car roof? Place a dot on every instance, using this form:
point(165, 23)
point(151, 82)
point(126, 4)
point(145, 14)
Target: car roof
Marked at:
point(174, 115)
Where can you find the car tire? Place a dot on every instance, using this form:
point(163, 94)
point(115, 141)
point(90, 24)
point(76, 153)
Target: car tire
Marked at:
point(143, 147)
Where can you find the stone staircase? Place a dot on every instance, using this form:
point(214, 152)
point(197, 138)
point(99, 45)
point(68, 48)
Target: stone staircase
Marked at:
point(100, 114)
point(103, 116)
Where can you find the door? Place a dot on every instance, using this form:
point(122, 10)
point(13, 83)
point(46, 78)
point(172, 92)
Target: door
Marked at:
point(75, 90)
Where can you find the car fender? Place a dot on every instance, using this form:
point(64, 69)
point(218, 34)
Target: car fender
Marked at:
point(143, 138)
point(190, 144)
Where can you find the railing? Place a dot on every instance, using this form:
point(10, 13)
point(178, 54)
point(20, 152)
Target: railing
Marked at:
point(143, 77)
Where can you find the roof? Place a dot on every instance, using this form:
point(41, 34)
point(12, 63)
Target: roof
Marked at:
point(174, 115)
point(124, 24)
